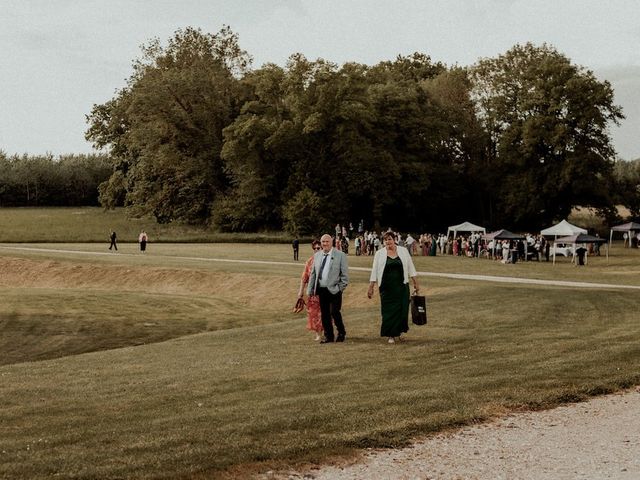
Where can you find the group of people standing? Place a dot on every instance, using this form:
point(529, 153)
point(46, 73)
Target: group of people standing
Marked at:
point(368, 243)
point(326, 276)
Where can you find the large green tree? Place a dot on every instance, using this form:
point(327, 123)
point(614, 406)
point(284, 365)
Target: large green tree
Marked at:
point(164, 129)
point(549, 145)
point(370, 142)
point(423, 123)
point(262, 146)
point(459, 193)
point(196, 136)
point(307, 127)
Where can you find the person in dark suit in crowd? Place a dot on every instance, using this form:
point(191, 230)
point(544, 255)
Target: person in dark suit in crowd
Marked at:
point(329, 277)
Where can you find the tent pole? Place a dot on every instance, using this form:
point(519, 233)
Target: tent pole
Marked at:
point(610, 238)
point(586, 255)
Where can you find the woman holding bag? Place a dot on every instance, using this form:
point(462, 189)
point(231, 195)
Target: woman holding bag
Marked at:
point(392, 268)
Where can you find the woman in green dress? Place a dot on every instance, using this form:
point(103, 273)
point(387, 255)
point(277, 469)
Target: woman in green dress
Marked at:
point(392, 268)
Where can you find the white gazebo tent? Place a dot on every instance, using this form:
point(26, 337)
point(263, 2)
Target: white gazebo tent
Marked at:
point(465, 227)
point(562, 229)
point(630, 228)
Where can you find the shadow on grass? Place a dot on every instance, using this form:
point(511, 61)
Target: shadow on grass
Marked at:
point(377, 340)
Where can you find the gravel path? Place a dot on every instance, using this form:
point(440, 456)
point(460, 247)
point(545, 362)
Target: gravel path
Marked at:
point(596, 439)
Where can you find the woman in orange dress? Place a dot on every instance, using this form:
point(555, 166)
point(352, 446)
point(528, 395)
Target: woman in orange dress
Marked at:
point(314, 322)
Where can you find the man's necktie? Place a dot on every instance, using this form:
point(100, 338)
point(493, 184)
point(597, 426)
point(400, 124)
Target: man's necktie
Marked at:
point(324, 260)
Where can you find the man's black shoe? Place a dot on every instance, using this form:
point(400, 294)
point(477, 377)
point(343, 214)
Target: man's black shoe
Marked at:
point(340, 338)
point(326, 340)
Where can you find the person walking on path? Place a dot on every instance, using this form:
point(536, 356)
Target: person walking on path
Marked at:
point(329, 277)
point(392, 268)
point(314, 321)
point(296, 248)
point(142, 240)
point(113, 239)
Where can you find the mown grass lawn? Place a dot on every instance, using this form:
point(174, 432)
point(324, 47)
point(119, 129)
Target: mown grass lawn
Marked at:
point(94, 224)
point(170, 366)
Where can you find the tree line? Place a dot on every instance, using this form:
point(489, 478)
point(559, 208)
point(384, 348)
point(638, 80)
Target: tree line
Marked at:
point(44, 180)
point(515, 141)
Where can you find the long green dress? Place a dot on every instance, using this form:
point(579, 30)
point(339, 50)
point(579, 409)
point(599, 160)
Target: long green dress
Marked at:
point(433, 249)
point(394, 299)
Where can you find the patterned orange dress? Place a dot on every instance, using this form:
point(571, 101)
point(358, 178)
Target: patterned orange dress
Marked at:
point(314, 322)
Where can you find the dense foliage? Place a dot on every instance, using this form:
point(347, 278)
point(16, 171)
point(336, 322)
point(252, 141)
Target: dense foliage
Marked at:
point(198, 136)
point(69, 181)
point(164, 129)
point(627, 182)
point(550, 148)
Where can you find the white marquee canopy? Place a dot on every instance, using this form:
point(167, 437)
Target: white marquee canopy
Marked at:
point(562, 229)
point(465, 227)
point(629, 228)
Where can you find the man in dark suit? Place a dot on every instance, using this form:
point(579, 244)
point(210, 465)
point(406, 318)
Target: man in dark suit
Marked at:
point(296, 248)
point(329, 277)
point(112, 238)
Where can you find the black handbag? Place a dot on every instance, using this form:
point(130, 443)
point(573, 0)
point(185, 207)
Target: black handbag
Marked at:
point(419, 309)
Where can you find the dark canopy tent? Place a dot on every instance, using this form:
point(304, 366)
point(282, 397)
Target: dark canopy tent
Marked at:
point(580, 239)
point(503, 235)
point(630, 228)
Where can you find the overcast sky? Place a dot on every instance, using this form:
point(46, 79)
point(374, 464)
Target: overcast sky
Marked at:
point(59, 57)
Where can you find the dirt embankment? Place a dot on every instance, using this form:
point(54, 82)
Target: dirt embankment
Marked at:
point(247, 288)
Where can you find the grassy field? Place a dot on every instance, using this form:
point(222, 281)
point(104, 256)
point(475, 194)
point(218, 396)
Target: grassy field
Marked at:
point(94, 224)
point(174, 365)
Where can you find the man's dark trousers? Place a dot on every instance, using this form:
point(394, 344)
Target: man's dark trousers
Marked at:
point(330, 306)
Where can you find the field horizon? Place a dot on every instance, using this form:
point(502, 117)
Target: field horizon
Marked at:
point(94, 224)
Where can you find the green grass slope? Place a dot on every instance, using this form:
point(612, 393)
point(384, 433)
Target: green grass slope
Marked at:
point(142, 367)
point(94, 224)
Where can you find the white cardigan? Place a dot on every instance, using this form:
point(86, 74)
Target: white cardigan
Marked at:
point(380, 260)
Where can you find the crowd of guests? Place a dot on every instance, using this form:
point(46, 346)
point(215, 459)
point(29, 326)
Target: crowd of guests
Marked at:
point(325, 274)
point(531, 247)
point(631, 239)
